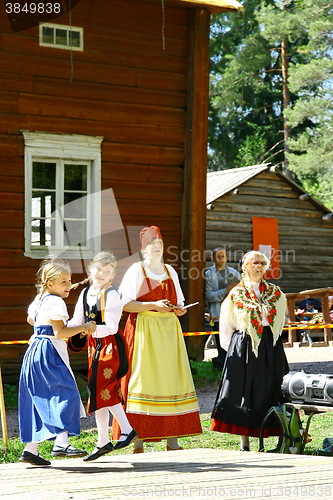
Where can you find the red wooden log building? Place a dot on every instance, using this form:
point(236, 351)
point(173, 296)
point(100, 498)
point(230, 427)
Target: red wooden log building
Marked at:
point(107, 97)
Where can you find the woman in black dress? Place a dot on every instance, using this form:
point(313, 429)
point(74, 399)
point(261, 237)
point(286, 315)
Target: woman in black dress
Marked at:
point(251, 322)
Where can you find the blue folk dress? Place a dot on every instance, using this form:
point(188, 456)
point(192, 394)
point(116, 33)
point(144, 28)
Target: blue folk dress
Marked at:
point(49, 400)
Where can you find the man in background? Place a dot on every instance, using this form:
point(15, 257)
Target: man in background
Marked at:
point(219, 280)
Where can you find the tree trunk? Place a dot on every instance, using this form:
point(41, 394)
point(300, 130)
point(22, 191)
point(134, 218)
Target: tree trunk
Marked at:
point(286, 97)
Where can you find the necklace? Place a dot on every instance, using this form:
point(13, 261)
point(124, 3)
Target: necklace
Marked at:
point(93, 292)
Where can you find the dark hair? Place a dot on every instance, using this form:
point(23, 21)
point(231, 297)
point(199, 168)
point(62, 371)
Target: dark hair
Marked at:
point(217, 249)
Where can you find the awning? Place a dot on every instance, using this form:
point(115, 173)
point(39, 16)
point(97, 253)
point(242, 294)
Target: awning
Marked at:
point(215, 6)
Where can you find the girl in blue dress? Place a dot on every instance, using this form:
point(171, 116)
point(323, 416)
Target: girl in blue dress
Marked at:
point(49, 401)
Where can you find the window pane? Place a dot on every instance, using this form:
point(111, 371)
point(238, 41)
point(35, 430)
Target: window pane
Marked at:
point(61, 37)
point(43, 175)
point(42, 232)
point(76, 177)
point(48, 35)
point(42, 204)
point(58, 183)
point(74, 38)
point(75, 232)
point(75, 206)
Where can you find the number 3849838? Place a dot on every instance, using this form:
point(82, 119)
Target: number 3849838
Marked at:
point(33, 8)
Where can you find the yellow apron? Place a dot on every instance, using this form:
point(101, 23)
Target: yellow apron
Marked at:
point(156, 387)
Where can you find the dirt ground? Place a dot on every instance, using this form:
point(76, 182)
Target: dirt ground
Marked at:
point(309, 359)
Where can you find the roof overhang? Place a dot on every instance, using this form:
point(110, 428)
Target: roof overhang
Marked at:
point(214, 6)
point(222, 182)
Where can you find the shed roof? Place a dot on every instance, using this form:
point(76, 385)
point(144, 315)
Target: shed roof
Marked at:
point(222, 182)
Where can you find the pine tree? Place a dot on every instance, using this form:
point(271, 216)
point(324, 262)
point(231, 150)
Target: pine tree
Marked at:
point(246, 91)
point(311, 118)
point(271, 90)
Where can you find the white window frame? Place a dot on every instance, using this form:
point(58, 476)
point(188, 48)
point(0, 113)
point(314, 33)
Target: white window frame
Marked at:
point(44, 146)
point(62, 27)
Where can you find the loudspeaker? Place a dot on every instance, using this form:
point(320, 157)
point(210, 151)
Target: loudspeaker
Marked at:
point(301, 387)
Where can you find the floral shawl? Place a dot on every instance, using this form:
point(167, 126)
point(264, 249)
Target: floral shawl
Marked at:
point(243, 310)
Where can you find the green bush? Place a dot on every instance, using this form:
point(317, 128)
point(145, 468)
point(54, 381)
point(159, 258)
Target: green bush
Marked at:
point(11, 396)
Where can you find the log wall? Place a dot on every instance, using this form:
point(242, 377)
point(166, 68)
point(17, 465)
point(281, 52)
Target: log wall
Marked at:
point(124, 86)
point(305, 240)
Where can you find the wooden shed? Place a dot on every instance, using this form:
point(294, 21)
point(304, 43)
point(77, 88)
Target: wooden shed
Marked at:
point(258, 206)
point(104, 109)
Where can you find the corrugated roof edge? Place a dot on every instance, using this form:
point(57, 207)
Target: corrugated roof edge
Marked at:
point(230, 179)
point(237, 177)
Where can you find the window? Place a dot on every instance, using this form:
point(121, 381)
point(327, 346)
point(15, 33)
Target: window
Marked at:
point(62, 195)
point(60, 36)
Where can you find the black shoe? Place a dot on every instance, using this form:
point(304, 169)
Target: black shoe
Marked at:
point(245, 448)
point(99, 452)
point(30, 458)
point(130, 437)
point(67, 451)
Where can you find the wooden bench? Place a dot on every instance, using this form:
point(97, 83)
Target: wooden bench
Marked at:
point(322, 294)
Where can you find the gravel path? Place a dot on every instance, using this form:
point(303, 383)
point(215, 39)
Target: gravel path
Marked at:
point(309, 359)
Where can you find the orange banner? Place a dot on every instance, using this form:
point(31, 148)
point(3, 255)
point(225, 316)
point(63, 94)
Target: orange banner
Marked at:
point(265, 238)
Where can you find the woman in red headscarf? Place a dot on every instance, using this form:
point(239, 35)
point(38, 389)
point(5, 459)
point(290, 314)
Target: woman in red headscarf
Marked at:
point(158, 390)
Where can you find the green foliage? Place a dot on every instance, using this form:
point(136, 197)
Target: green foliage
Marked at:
point(10, 395)
point(246, 95)
point(246, 89)
point(308, 26)
point(204, 375)
point(249, 151)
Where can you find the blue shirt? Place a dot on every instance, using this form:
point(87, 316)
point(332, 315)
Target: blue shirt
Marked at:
point(216, 288)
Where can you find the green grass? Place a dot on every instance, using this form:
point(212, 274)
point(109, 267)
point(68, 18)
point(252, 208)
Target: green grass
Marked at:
point(204, 376)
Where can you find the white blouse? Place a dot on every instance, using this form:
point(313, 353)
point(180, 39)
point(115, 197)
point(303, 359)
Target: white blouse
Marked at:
point(134, 277)
point(112, 314)
point(51, 307)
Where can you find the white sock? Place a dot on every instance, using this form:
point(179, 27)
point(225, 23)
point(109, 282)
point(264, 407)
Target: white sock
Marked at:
point(138, 443)
point(172, 442)
point(120, 415)
point(61, 440)
point(31, 448)
point(102, 417)
point(245, 441)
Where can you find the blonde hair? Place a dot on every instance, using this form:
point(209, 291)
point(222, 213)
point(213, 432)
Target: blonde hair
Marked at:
point(50, 269)
point(104, 258)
